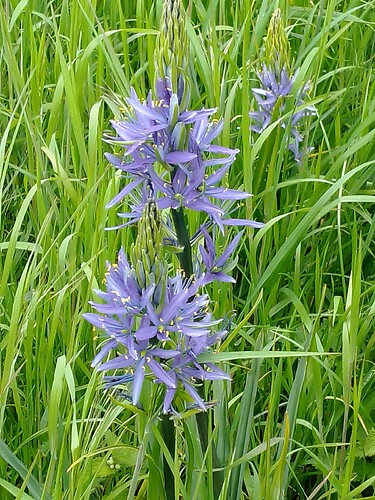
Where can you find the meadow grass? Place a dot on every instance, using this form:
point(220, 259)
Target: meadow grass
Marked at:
point(297, 420)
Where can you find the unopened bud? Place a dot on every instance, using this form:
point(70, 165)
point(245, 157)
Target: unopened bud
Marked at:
point(147, 251)
point(172, 47)
point(277, 45)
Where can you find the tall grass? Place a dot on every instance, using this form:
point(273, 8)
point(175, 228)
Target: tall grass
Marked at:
point(297, 420)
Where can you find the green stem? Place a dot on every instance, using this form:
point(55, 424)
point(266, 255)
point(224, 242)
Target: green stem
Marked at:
point(183, 240)
point(167, 430)
point(202, 424)
point(185, 258)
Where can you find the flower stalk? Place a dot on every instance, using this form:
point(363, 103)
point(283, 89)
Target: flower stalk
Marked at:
point(276, 85)
point(154, 321)
point(183, 240)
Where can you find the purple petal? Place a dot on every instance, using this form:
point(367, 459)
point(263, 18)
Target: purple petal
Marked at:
point(146, 333)
point(260, 92)
point(206, 278)
point(128, 342)
point(194, 395)
point(115, 160)
point(176, 157)
point(165, 354)
point(119, 362)
point(207, 261)
point(161, 374)
point(194, 332)
point(213, 132)
point(103, 323)
point(229, 250)
point(227, 194)
point(160, 183)
point(172, 309)
point(169, 396)
point(167, 203)
point(221, 150)
point(109, 309)
point(220, 276)
point(108, 346)
point(243, 222)
point(193, 116)
point(219, 161)
point(145, 111)
point(117, 380)
point(124, 192)
point(218, 175)
point(139, 376)
point(214, 373)
point(204, 206)
point(152, 314)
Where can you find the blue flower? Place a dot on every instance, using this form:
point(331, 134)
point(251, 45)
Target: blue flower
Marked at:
point(146, 358)
point(216, 268)
point(171, 150)
point(152, 339)
point(276, 87)
point(186, 371)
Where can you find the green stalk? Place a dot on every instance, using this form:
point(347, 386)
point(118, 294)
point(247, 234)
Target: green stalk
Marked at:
point(185, 258)
point(202, 424)
point(147, 259)
point(183, 240)
point(167, 430)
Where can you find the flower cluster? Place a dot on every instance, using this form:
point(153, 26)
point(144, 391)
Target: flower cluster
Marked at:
point(171, 151)
point(273, 93)
point(160, 339)
point(277, 82)
point(157, 321)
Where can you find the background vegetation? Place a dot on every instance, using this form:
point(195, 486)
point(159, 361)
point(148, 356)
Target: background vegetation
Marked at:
point(294, 425)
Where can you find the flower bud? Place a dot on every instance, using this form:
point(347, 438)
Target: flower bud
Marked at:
point(147, 251)
point(277, 45)
point(172, 47)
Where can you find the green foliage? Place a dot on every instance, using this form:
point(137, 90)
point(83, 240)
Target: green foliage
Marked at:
point(297, 419)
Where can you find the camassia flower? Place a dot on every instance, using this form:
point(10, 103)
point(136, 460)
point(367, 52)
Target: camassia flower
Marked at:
point(147, 338)
point(275, 89)
point(172, 151)
point(216, 268)
point(186, 369)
